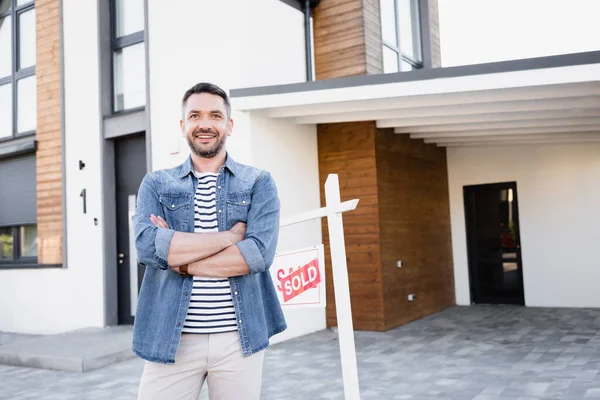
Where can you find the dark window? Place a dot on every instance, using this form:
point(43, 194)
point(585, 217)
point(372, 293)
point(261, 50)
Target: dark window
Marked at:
point(400, 35)
point(18, 213)
point(18, 245)
point(128, 55)
point(17, 69)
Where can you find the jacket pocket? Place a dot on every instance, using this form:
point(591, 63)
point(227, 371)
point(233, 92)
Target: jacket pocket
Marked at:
point(238, 205)
point(176, 209)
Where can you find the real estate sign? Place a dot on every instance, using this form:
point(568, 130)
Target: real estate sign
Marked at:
point(299, 277)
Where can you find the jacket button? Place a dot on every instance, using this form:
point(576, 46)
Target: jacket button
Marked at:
point(235, 293)
point(185, 293)
point(172, 205)
point(219, 187)
point(243, 201)
point(240, 321)
point(219, 210)
point(179, 324)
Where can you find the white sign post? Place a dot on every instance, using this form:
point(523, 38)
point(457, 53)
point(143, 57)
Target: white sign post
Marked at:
point(333, 211)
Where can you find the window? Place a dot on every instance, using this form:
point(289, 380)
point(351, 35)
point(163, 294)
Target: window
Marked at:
point(400, 35)
point(128, 55)
point(18, 213)
point(18, 245)
point(17, 69)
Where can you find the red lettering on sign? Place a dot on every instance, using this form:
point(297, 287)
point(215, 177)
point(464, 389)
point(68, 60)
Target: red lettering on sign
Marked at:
point(297, 282)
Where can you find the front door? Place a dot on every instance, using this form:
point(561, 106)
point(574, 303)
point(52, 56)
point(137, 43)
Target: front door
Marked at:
point(494, 245)
point(130, 168)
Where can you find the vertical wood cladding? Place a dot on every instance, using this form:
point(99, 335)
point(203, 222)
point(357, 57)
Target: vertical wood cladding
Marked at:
point(347, 35)
point(347, 38)
point(403, 214)
point(48, 133)
point(349, 150)
point(414, 221)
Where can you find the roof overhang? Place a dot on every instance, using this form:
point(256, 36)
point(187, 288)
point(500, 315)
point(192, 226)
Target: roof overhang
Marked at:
point(541, 100)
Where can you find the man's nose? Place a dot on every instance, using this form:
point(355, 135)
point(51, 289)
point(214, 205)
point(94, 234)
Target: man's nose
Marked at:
point(205, 123)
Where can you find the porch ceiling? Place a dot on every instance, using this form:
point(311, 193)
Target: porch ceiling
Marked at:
point(542, 105)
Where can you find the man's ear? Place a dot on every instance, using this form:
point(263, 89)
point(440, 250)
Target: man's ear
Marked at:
point(181, 125)
point(229, 126)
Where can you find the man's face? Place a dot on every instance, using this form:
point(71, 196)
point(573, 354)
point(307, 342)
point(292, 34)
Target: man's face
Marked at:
point(205, 124)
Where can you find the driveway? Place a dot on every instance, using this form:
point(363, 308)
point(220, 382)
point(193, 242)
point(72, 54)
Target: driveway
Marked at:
point(466, 353)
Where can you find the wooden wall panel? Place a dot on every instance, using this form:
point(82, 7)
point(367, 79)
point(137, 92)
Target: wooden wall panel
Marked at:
point(347, 35)
point(414, 221)
point(349, 151)
point(404, 213)
point(48, 133)
point(347, 38)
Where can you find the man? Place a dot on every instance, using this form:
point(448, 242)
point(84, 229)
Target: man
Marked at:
point(207, 233)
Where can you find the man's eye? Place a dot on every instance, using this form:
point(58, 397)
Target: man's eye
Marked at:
point(193, 116)
point(217, 116)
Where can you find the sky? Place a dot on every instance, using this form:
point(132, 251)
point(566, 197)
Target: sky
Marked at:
point(479, 31)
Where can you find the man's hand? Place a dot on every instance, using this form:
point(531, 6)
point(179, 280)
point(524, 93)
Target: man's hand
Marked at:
point(239, 230)
point(158, 221)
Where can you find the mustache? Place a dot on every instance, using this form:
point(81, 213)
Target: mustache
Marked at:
point(199, 131)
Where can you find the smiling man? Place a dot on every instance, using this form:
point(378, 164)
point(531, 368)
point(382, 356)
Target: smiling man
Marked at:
point(207, 232)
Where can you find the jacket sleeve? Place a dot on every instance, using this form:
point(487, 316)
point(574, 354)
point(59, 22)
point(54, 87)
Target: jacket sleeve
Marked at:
point(262, 229)
point(152, 243)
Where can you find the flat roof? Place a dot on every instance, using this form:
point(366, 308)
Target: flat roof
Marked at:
point(563, 60)
point(552, 99)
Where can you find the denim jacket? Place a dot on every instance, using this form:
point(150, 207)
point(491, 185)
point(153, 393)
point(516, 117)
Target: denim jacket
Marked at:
point(244, 194)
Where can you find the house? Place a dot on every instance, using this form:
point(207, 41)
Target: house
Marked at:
point(477, 184)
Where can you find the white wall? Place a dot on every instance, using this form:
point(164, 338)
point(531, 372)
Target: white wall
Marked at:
point(232, 43)
point(559, 195)
point(48, 301)
point(289, 152)
point(276, 52)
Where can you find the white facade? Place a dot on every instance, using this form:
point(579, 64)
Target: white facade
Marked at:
point(55, 300)
point(558, 192)
point(238, 44)
point(218, 42)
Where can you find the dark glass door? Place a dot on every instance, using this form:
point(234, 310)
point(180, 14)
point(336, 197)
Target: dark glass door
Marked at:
point(130, 168)
point(494, 245)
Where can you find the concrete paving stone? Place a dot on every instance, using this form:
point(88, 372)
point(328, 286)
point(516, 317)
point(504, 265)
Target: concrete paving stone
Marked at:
point(77, 351)
point(592, 393)
point(417, 361)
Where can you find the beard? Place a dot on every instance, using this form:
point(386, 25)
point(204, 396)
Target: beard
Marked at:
point(202, 151)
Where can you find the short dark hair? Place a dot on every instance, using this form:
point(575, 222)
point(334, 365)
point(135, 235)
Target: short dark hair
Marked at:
point(205, 87)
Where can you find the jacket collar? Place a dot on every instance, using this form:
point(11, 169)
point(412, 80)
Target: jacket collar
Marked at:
point(188, 167)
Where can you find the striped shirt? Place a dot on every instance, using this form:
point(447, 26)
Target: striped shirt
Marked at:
point(211, 305)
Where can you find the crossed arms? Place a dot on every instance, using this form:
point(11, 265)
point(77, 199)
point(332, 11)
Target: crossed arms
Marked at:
point(211, 254)
point(239, 251)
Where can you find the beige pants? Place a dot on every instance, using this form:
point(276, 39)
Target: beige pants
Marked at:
point(216, 357)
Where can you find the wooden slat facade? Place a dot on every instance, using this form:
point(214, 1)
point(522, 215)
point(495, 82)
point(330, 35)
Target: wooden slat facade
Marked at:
point(402, 184)
point(349, 151)
point(347, 38)
point(403, 214)
point(414, 221)
point(48, 133)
